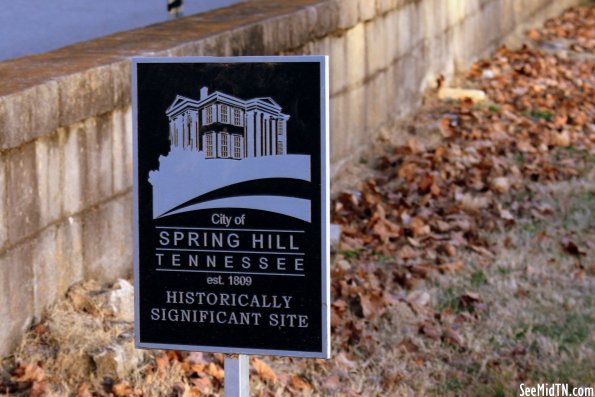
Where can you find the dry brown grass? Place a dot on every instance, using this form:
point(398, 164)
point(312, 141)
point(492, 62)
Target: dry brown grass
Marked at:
point(535, 321)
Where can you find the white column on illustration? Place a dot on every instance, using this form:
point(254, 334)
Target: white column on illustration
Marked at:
point(183, 129)
point(249, 135)
point(186, 132)
point(197, 130)
point(179, 131)
point(258, 137)
point(271, 137)
point(191, 131)
point(267, 132)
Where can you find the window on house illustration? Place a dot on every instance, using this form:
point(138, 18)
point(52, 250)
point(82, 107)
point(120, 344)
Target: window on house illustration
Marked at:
point(189, 135)
point(237, 117)
point(209, 144)
point(279, 147)
point(236, 146)
point(224, 145)
point(281, 127)
point(225, 114)
point(209, 115)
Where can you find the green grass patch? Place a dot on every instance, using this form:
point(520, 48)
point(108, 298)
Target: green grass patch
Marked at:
point(575, 372)
point(382, 257)
point(494, 108)
point(450, 299)
point(581, 210)
point(495, 389)
point(490, 384)
point(572, 330)
point(519, 158)
point(519, 331)
point(538, 114)
point(504, 270)
point(351, 254)
point(478, 278)
point(451, 386)
point(521, 194)
point(584, 200)
point(534, 227)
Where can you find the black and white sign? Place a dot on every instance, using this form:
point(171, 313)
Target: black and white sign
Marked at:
point(230, 200)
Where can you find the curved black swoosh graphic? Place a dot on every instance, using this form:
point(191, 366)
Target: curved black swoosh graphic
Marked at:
point(267, 186)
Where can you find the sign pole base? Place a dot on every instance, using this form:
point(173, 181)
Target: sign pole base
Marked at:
point(237, 375)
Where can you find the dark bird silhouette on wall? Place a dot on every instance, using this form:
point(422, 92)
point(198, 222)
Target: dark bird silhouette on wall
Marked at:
point(174, 7)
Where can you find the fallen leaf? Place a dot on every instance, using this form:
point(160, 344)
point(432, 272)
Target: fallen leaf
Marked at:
point(408, 345)
point(406, 252)
point(332, 383)
point(501, 184)
point(560, 139)
point(505, 214)
point(195, 358)
point(203, 384)
point(122, 389)
point(429, 330)
point(453, 337)
point(533, 34)
point(37, 390)
point(469, 296)
point(83, 391)
point(445, 129)
point(473, 203)
point(571, 247)
point(40, 329)
point(426, 183)
point(162, 362)
point(263, 370)
point(30, 372)
point(344, 361)
point(419, 298)
point(418, 227)
point(198, 368)
point(463, 317)
point(482, 251)
point(299, 384)
point(451, 267)
point(373, 303)
point(215, 371)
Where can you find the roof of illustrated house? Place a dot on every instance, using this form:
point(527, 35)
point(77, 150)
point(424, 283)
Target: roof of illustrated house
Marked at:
point(268, 104)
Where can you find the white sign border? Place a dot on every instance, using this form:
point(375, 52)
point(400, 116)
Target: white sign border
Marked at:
point(323, 61)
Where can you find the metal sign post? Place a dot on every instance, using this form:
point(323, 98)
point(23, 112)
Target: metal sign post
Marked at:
point(237, 375)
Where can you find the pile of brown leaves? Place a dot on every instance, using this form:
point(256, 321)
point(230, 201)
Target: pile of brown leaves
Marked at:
point(431, 203)
point(575, 26)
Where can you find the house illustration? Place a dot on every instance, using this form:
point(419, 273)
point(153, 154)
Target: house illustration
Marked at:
point(225, 127)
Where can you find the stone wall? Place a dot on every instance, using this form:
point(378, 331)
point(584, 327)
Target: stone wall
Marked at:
point(65, 119)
